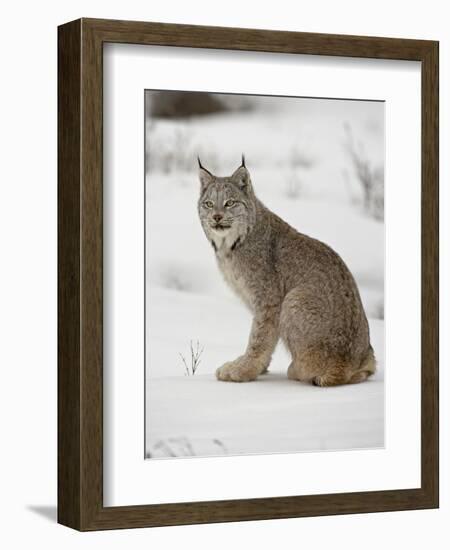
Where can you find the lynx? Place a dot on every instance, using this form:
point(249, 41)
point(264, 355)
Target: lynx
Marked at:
point(297, 288)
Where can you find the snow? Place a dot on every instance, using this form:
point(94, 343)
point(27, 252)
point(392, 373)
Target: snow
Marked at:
point(197, 415)
point(315, 189)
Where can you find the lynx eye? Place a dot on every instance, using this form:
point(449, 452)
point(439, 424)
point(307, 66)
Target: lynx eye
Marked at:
point(208, 204)
point(229, 203)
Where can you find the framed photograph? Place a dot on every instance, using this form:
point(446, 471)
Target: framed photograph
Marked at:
point(248, 274)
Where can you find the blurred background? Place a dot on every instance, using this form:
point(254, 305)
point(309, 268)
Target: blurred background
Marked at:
point(308, 139)
point(317, 162)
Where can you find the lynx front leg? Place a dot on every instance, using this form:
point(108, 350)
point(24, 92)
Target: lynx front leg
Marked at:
point(263, 339)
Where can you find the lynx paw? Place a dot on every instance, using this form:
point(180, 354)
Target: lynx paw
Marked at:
point(240, 370)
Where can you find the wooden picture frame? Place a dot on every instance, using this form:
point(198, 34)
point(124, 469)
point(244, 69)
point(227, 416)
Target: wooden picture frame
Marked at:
point(80, 272)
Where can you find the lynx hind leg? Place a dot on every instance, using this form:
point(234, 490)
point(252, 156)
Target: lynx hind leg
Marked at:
point(336, 375)
point(319, 363)
point(319, 369)
point(324, 370)
point(302, 320)
point(295, 372)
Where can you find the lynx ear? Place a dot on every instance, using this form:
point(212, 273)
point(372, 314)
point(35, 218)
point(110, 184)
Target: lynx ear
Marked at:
point(205, 176)
point(241, 176)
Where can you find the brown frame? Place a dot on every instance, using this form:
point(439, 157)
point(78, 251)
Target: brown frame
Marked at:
point(80, 301)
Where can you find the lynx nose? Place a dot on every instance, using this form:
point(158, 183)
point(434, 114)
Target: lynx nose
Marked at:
point(217, 218)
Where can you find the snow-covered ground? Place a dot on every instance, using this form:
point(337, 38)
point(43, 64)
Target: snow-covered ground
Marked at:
point(296, 153)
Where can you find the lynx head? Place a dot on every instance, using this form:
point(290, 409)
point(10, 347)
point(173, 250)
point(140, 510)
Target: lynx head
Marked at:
point(227, 206)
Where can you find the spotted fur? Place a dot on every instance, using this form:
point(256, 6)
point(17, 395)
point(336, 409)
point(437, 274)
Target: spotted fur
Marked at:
point(297, 288)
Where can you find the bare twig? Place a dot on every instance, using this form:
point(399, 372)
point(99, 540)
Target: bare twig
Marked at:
point(196, 353)
point(186, 368)
point(371, 179)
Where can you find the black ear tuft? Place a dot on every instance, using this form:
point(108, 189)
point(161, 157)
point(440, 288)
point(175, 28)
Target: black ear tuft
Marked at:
point(202, 167)
point(243, 160)
point(205, 175)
